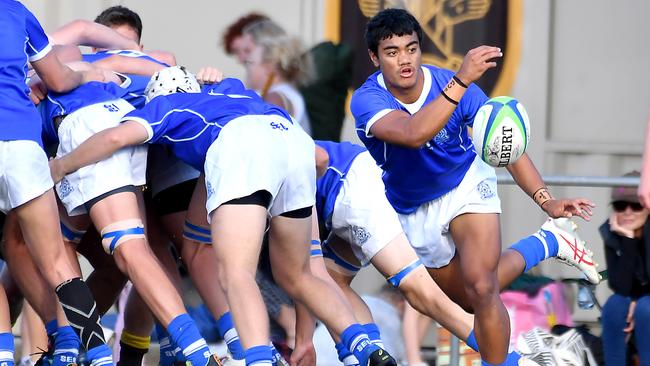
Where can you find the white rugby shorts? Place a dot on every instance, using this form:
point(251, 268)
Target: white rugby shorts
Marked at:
point(428, 228)
point(126, 167)
point(24, 173)
point(362, 215)
point(259, 152)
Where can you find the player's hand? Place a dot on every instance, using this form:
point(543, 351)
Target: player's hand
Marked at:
point(476, 62)
point(37, 90)
point(56, 170)
point(615, 227)
point(209, 75)
point(304, 354)
point(569, 207)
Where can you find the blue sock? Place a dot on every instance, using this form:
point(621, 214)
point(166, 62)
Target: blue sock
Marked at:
point(356, 340)
point(471, 341)
point(229, 334)
point(183, 332)
point(7, 349)
point(511, 360)
point(278, 360)
point(66, 346)
point(373, 333)
point(346, 356)
point(167, 349)
point(259, 356)
point(51, 327)
point(537, 247)
point(100, 356)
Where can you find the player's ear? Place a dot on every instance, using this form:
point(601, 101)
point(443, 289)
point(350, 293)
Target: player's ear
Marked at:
point(373, 58)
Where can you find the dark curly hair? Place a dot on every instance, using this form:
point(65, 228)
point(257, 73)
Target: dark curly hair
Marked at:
point(388, 23)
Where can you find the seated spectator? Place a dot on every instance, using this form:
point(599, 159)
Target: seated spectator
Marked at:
point(626, 314)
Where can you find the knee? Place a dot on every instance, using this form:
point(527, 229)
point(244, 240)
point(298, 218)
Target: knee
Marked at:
point(481, 288)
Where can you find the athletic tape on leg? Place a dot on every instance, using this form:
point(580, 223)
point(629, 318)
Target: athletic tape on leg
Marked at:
point(316, 250)
point(397, 278)
point(342, 265)
point(119, 232)
point(196, 233)
point(71, 235)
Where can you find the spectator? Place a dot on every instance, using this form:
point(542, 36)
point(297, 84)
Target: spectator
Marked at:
point(626, 313)
point(237, 44)
point(276, 66)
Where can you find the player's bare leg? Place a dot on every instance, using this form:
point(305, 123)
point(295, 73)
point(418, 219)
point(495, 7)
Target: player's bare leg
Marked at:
point(134, 257)
point(474, 234)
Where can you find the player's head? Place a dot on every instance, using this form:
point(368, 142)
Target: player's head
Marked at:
point(628, 211)
point(275, 52)
point(235, 42)
point(171, 80)
point(123, 20)
point(393, 37)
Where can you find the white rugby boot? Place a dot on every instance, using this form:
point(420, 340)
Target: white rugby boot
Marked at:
point(572, 249)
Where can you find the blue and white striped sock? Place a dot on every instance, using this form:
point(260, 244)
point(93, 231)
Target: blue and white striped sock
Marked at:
point(6, 349)
point(185, 334)
point(229, 334)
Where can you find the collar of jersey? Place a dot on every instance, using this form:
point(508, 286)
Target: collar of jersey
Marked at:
point(426, 88)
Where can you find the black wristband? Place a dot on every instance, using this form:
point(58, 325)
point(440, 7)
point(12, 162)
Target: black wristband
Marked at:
point(459, 82)
point(448, 98)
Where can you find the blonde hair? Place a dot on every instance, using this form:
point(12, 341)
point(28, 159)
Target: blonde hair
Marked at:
point(282, 50)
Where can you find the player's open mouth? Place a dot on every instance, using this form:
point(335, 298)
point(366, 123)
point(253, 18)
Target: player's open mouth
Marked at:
point(406, 72)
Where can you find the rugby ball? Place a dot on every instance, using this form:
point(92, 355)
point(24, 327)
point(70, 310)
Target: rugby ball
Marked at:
point(501, 131)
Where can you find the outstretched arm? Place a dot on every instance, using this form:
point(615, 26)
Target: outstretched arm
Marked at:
point(401, 128)
point(86, 33)
point(129, 65)
point(530, 181)
point(98, 147)
point(59, 77)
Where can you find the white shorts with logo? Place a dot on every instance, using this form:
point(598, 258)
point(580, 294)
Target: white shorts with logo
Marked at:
point(126, 167)
point(24, 173)
point(428, 228)
point(362, 214)
point(258, 152)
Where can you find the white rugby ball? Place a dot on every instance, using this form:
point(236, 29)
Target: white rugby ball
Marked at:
point(501, 131)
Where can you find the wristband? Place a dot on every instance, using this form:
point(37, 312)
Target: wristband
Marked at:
point(541, 196)
point(459, 82)
point(448, 98)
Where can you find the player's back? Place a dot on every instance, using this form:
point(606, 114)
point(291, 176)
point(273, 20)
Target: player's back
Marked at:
point(190, 122)
point(22, 40)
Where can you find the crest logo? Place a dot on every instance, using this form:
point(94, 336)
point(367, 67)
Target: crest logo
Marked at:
point(450, 27)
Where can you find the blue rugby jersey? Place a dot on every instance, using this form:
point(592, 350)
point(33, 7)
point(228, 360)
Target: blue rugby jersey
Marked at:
point(341, 156)
point(415, 176)
point(190, 123)
point(22, 39)
point(60, 104)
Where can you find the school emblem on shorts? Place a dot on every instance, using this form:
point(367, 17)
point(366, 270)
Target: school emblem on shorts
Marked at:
point(209, 188)
point(484, 190)
point(359, 234)
point(441, 137)
point(65, 188)
point(450, 27)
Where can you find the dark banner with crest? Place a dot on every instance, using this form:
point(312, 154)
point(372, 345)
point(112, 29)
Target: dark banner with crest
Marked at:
point(451, 28)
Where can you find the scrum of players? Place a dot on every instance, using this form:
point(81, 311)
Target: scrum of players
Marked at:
point(223, 167)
